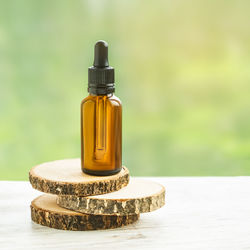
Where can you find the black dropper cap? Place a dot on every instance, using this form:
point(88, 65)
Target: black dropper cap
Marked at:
point(101, 75)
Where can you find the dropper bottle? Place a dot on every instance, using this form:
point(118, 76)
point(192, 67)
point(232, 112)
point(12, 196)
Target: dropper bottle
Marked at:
point(101, 119)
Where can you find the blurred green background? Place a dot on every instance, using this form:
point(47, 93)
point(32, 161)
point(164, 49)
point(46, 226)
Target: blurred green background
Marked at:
point(182, 73)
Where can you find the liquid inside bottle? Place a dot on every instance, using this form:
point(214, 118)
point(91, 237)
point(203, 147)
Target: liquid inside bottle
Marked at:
point(101, 134)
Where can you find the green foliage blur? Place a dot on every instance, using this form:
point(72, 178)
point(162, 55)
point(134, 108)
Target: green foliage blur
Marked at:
point(182, 73)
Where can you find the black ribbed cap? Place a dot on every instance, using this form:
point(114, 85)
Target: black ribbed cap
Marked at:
point(101, 75)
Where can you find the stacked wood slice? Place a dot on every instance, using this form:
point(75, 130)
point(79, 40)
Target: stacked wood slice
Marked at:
point(77, 201)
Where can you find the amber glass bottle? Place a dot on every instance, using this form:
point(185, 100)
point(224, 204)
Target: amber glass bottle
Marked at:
point(101, 119)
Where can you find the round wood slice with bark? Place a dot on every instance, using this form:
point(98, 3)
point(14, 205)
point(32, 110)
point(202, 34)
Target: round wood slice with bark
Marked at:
point(46, 212)
point(64, 177)
point(139, 196)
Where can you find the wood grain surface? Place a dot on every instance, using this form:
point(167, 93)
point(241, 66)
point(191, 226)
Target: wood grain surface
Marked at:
point(65, 177)
point(46, 212)
point(139, 196)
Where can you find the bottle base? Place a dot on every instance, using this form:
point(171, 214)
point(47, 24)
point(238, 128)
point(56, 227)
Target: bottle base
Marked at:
point(101, 173)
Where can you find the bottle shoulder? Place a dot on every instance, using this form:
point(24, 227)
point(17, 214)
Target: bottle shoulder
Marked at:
point(88, 100)
point(113, 100)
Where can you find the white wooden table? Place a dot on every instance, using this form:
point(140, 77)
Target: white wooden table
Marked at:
point(200, 213)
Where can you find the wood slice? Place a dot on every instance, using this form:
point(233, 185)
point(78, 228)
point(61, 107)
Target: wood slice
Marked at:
point(46, 212)
point(139, 196)
point(64, 177)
